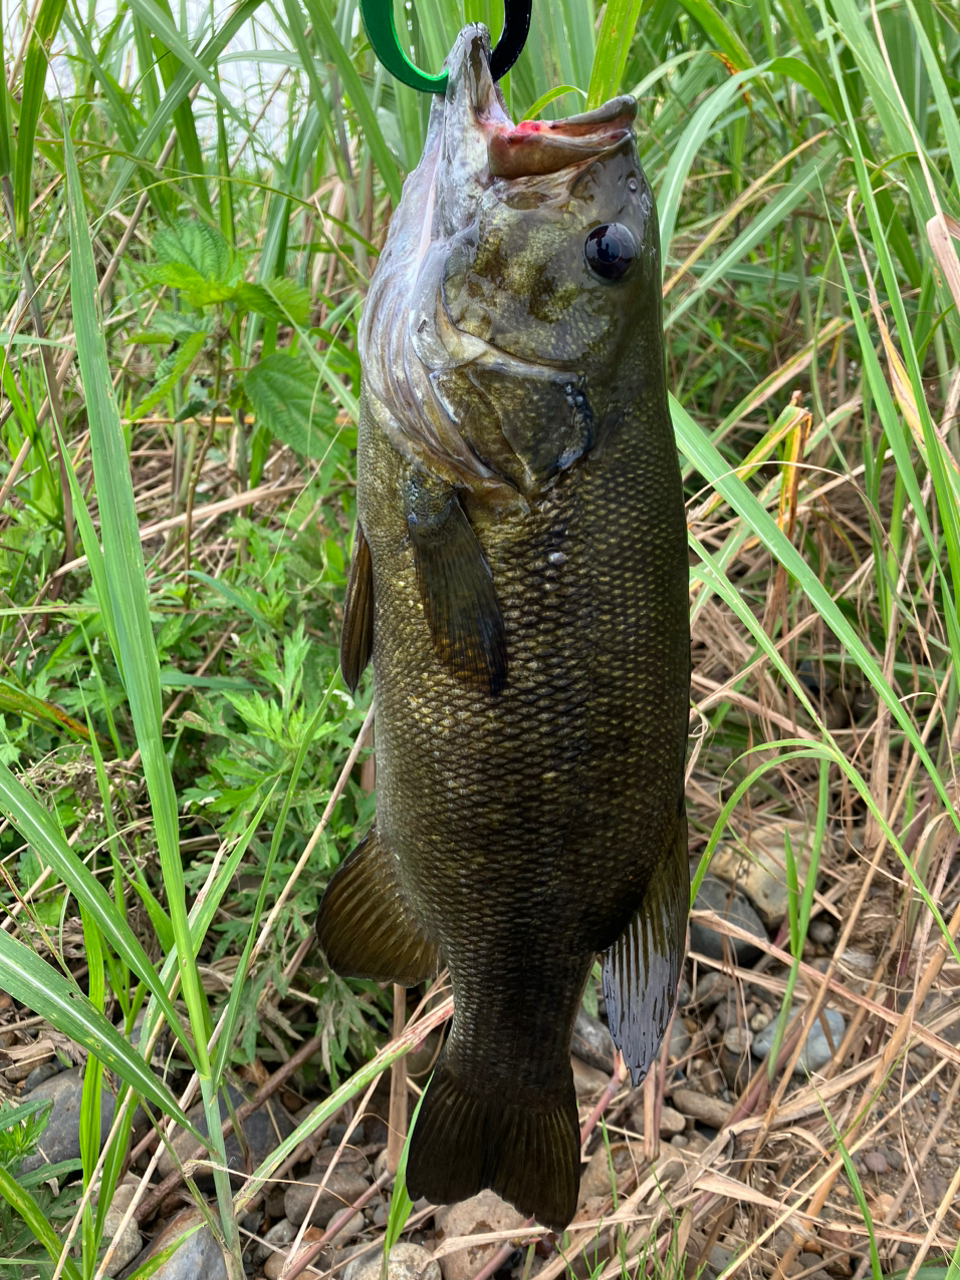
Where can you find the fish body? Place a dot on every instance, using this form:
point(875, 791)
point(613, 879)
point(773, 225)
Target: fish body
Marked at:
point(520, 581)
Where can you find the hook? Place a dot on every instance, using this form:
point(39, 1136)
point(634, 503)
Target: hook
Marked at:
point(381, 31)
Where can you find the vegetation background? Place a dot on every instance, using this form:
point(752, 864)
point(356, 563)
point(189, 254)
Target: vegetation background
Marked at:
point(186, 238)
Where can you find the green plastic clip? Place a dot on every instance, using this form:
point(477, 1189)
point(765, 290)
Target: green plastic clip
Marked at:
point(381, 31)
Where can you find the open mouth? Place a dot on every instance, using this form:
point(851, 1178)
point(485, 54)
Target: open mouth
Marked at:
point(533, 147)
point(547, 146)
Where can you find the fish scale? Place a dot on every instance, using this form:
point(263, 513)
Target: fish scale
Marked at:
point(520, 582)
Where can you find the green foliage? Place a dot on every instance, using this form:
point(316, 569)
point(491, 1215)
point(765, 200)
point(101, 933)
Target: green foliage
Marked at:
point(172, 723)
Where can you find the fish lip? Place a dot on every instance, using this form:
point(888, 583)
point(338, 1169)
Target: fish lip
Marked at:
point(532, 147)
point(536, 147)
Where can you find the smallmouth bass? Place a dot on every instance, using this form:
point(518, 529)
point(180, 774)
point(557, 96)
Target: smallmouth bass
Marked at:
point(520, 582)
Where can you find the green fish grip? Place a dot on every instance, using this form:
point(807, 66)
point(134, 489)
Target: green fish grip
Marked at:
point(381, 28)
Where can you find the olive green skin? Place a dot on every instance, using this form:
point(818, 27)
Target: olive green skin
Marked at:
point(525, 825)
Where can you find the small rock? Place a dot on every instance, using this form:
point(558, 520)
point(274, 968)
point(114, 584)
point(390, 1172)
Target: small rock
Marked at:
point(679, 1040)
point(817, 1051)
point(671, 1122)
point(349, 1231)
point(716, 895)
point(130, 1242)
point(348, 1156)
point(875, 1161)
point(592, 1042)
point(761, 875)
point(883, 1206)
point(760, 1021)
point(735, 1057)
point(712, 988)
point(718, 1259)
point(404, 1262)
point(822, 932)
point(587, 1080)
point(380, 1167)
point(280, 1233)
point(344, 1185)
point(60, 1140)
point(199, 1255)
point(45, 1071)
point(262, 1133)
point(275, 1263)
point(857, 967)
point(485, 1212)
point(597, 1179)
point(712, 1111)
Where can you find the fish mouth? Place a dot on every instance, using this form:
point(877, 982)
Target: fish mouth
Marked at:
point(537, 147)
point(534, 147)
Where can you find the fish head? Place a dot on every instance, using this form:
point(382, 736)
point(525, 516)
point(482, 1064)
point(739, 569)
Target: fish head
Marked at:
point(532, 284)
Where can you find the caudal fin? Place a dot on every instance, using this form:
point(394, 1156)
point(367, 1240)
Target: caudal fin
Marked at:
point(464, 1142)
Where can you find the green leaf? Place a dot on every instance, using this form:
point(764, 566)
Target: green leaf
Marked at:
point(613, 46)
point(24, 1204)
point(124, 579)
point(41, 988)
point(33, 90)
point(36, 826)
point(198, 248)
point(286, 397)
point(182, 361)
point(279, 299)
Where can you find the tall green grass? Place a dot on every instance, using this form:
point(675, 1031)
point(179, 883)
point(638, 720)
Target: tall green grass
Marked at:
point(806, 160)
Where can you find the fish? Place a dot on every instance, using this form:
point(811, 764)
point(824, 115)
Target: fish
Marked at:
point(520, 582)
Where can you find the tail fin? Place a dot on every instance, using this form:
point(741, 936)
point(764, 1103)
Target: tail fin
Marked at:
point(464, 1142)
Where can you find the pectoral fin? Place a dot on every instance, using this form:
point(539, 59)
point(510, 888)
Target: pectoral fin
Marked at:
point(356, 639)
point(642, 968)
point(365, 924)
point(456, 588)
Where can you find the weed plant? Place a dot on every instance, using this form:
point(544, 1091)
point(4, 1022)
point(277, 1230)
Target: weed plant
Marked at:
point(182, 268)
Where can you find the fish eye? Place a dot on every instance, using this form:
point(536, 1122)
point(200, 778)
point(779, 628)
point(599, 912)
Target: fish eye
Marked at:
point(609, 250)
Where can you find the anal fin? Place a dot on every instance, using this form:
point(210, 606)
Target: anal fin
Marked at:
point(365, 924)
point(356, 639)
point(642, 968)
point(456, 588)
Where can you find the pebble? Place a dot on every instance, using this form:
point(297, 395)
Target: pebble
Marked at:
point(200, 1255)
point(822, 932)
point(712, 988)
point(592, 1042)
point(728, 902)
point(485, 1212)
point(45, 1071)
point(679, 1041)
point(875, 1161)
point(60, 1140)
point(262, 1132)
point(344, 1185)
point(816, 1052)
point(404, 1262)
point(761, 875)
point(280, 1233)
point(596, 1179)
point(276, 1261)
point(735, 1057)
point(671, 1122)
point(130, 1242)
point(712, 1111)
point(857, 967)
point(587, 1080)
